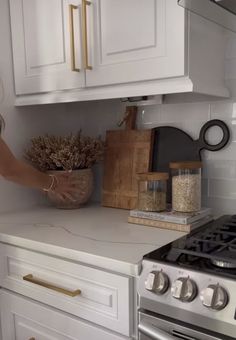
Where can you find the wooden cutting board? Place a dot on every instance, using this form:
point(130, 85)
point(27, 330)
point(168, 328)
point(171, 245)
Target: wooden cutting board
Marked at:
point(127, 153)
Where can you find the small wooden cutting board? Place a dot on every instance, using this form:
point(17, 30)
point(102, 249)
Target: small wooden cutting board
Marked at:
point(127, 153)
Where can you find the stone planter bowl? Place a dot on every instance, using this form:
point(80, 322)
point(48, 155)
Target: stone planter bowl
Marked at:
point(85, 188)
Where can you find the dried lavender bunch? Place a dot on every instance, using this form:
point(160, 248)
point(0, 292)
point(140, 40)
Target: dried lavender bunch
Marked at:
point(71, 152)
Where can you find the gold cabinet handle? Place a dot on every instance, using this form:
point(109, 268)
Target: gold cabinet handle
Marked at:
point(31, 279)
point(72, 38)
point(32, 339)
point(85, 3)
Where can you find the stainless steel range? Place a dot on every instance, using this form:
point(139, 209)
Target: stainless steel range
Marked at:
point(187, 289)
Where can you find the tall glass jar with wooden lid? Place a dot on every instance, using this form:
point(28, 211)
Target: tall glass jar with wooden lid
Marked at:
point(152, 191)
point(186, 186)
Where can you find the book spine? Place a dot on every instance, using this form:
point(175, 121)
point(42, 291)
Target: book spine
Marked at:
point(159, 224)
point(158, 217)
point(199, 216)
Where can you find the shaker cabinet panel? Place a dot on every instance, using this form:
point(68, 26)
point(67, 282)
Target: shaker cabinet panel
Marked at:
point(130, 29)
point(95, 295)
point(44, 46)
point(46, 42)
point(24, 319)
point(135, 40)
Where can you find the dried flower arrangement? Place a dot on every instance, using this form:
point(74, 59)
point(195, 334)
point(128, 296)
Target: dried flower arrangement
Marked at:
point(71, 152)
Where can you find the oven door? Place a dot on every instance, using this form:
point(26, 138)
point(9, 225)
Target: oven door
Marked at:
point(154, 328)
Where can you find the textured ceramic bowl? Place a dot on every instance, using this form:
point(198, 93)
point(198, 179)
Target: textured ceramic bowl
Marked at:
point(85, 188)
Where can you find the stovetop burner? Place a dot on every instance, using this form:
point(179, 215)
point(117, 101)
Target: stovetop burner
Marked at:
point(212, 249)
point(225, 263)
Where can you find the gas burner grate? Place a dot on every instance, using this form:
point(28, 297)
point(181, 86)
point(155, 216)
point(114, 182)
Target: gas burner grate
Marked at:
point(215, 239)
point(213, 244)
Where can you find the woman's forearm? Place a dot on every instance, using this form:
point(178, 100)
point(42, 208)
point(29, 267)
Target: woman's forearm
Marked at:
point(20, 172)
point(25, 174)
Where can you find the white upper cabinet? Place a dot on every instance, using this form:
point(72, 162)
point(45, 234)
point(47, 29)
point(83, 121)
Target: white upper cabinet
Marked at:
point(46, 39)
point(136, 40)
point(100, 49)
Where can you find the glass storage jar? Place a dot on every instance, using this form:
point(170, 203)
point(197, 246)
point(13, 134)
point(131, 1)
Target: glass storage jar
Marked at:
point(186, 186)
point(152, 191)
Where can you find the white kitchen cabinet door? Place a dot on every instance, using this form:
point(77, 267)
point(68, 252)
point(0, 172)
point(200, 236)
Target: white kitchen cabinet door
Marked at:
point(136, 40)
point(89, 293)
point(24, 319)
point(43, 53)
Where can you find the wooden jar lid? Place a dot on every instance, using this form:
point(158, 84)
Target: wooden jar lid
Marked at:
point(186, 165)
point(153, 176)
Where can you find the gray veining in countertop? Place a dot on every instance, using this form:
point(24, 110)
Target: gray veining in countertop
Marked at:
point(94, 235)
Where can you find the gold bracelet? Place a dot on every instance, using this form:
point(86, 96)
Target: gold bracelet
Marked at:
point(51, 185)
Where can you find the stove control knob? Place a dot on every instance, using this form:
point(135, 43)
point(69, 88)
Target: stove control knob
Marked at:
point(214, 297)
point(157, 282)
point(184, 289)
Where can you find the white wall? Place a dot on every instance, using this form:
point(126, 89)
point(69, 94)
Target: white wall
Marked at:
point(219, 183)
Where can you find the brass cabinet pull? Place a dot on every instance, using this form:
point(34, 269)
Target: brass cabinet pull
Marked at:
point(32, 339)
point(31, 279)
point(85, 3)
point(72, 39)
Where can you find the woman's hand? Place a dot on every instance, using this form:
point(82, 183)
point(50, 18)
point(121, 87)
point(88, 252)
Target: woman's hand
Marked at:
point(64, 187)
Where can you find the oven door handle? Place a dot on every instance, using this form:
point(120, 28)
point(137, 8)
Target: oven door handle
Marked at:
point(153, 332)
point(157, 334)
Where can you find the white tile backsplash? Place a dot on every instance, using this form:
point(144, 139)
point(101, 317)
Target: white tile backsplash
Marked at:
point(230, 52)
point(218, 169)
point(149, 115)
point(230, 69)
point(222, 188)
point(224, 155)
point(219, 174)
point(189, 112)
point(222, 110)
point(220, 205)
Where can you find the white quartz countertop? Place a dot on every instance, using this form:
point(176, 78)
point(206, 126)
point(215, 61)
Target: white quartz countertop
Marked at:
point(93, 235)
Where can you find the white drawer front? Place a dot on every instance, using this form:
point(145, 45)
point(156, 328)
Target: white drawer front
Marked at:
point(105, 298)
point(23, 319)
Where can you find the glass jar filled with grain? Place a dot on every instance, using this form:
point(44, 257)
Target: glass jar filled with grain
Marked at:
point(186, 186)
point(152, 191)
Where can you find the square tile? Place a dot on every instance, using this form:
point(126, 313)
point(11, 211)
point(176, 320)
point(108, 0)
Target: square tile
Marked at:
point(222, 188)
point(222, 110)
point(230, 51)
point(185, 112)
point(149, 115)
point(221, 206)
point(230, 68)
point(218, 169)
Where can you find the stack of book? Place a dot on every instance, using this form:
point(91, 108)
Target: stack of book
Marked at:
point(171, 219)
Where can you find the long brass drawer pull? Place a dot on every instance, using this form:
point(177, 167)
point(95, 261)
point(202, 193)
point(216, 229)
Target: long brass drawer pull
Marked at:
point(32, 339)
point(85, 3)
point(72, 39)
point(31, 279)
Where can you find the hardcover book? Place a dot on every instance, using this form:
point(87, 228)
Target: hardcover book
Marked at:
point(172, 216)
point(169, 225)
